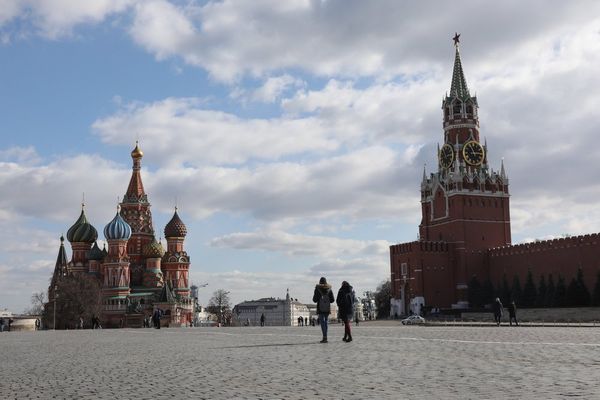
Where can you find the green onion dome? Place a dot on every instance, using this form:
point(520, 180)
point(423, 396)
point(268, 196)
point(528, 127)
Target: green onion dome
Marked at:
point(82, 230)
point(175, 227)
point(153, 249)
point(95, 253)
point(117, 229)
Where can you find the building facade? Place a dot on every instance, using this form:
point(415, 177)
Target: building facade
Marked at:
point(277, 312)
point(465, 226)
point(136, 273)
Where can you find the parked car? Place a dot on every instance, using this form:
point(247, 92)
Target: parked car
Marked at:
point(413, 320)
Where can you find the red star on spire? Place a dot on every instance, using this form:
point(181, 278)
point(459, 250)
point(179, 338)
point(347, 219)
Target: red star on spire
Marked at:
point(456, 38)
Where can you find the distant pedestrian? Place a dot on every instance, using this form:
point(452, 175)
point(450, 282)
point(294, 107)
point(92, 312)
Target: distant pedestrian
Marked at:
point(512, 313)
point(1, 324)
point(497, 308)
point(305, 321)
point(323, 296)
point(262, 319)
point(345, 301)
point(37, 324)
point(300, 321)
point(156, 318)
point(356, 319)
point(80, 325)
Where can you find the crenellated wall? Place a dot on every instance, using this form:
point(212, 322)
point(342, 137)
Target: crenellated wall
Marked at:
point(557, 257)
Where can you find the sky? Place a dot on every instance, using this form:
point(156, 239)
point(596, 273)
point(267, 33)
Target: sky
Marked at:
point(292, 135)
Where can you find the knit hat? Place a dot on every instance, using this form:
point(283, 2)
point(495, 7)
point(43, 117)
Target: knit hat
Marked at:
point(322, 281)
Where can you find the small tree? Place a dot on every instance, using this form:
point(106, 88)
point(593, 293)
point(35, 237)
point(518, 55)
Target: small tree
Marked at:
point(383, 295)
point(488, 294)
point(540, 300)
point(596, 293)
point(515, 292)
point(474, 292)
point(571, 296)
point(504, 291)
point(560, 294)
point(219, 304)
point(583, 298)
point(550, 292)
point(529, 294)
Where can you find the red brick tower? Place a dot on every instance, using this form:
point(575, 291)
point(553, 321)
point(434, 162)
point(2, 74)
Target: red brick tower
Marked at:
point(81, 236)
point(175, 262)
point(135, 209)
point(116, 282)
point(465, 203)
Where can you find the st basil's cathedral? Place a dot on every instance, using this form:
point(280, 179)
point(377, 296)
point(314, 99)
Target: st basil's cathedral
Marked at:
point(135, 273)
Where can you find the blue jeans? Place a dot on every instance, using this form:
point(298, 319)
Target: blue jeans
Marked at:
point(323, 323)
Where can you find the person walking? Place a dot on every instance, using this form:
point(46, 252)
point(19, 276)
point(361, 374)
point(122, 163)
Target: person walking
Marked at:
point(262, 319)
point(497, 308)
point(156, 318)
point(323, 296)
point(345, 301)
point(512, 313)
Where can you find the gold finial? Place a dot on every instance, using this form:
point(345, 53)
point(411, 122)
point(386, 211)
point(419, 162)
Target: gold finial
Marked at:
point(137, 153)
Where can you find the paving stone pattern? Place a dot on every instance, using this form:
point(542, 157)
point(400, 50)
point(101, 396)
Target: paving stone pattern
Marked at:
point(383, 362)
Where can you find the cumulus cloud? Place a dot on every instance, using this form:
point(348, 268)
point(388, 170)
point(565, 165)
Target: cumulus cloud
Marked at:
point(230, 39)
point(54, 19)
point(301, 245)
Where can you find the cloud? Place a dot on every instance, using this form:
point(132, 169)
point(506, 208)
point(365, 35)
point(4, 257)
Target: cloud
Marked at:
point(54, 19)
point(301, 245)
point(337, 38)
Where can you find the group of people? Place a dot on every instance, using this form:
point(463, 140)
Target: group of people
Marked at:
point(345, 301)
point(497, 308)
point(5, 324)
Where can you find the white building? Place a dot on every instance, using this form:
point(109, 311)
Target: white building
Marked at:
point(277, 312)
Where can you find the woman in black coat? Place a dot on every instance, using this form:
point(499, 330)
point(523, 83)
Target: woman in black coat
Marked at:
point(345, 301)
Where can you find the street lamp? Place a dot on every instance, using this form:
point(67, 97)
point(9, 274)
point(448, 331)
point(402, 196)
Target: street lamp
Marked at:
point(54, 308)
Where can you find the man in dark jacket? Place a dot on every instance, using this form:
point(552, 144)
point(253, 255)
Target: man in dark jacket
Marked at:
point(323, 296)
point(345, 301)
point(512, 313)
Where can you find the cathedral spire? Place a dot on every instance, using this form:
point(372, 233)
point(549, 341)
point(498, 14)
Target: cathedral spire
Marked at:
point(60, 268)
point(135, 191)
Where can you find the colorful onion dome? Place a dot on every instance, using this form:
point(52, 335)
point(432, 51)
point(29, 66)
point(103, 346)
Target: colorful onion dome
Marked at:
point(153, 249)
point(117, 229)
point(175, 227)
point(82, 230)
point(95, 253)
point(137, 153)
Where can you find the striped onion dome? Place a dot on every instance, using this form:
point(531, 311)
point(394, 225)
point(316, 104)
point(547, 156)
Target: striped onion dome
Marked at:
point(175, 227)
point(117, 229)
point(95, 253)
point(153, 249)
point(82, 230)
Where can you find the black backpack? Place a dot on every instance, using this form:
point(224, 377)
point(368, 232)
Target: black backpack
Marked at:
point(324, 306)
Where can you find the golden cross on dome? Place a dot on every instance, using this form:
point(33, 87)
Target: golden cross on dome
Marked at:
point(456, 38)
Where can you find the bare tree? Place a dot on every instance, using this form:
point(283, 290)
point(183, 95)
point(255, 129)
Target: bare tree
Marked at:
point(77, 296)
point(219, 304)
point(383, 294)
point(38, 299)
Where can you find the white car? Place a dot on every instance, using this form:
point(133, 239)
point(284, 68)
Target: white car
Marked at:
point(413, 320)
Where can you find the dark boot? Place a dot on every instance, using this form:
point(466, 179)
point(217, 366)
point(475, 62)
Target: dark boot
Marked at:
point(324, 340)
point(349, 338)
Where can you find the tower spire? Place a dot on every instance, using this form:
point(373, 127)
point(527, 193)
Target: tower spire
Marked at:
point(135, 191)
point(458, 87)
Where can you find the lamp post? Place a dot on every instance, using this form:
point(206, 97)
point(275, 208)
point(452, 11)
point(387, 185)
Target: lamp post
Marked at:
point(54, 308)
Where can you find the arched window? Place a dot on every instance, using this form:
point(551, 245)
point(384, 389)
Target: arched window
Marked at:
point(457, 108)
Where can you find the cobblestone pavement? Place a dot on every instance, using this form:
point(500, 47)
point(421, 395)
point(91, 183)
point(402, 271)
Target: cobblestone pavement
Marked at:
point(383, 362)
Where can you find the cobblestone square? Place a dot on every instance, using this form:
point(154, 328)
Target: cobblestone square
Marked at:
point(387, 361)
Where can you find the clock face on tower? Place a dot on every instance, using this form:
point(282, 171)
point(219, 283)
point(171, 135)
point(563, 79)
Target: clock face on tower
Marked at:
point(473, 153)
point(446, 156)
